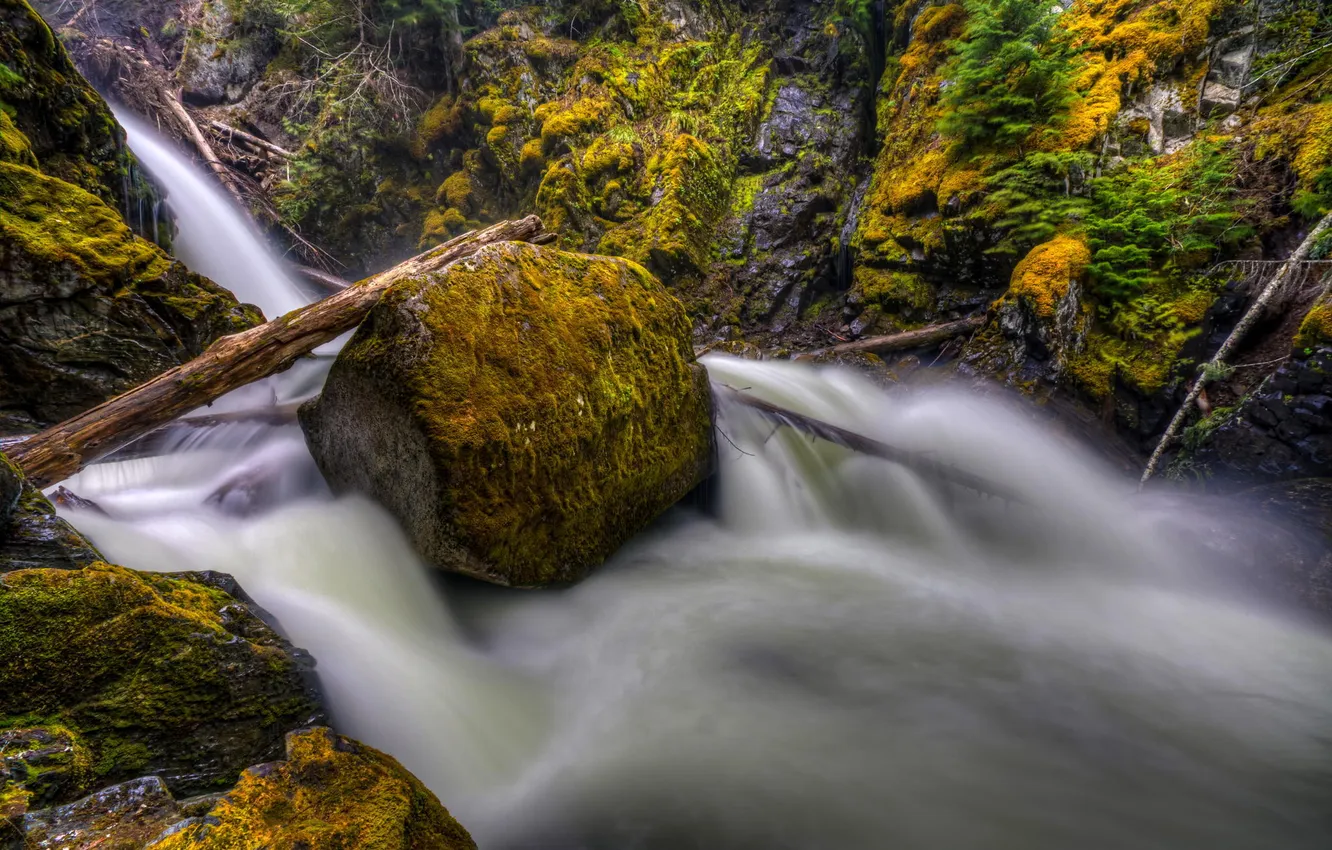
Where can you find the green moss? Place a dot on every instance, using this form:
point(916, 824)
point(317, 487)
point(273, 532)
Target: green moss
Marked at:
point(56, 224)
point(1316, 328)
point(561, 123)
point(548, 469)
point(895, 291)
point(1045, 275)
point(693, 186)
point(145, 670)
point(330, 792)
point(14, 146)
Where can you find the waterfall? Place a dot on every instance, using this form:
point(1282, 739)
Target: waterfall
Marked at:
point(214, 237)
point(844, 657)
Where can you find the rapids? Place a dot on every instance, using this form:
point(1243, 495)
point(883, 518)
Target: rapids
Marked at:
point(839, 656)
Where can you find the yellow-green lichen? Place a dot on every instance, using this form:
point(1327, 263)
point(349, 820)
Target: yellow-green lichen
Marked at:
point(1316, 328)
point(331, 792)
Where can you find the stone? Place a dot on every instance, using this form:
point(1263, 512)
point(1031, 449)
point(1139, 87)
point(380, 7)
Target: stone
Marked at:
point(227, 52)
point(522, 414)
point(144, 674)
point(129, 815)
point(1218, 99)
point(330, 792)
point(35, 537)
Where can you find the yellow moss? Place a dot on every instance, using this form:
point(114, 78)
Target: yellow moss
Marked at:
point(551, 467)
point(531, 159)
point(60, 225)
point(1046, 273)
point(441, 225)
point(1316, 329)
point(331, 792)
point(441, 122)
point(604, 155)
point(675, 235)
point(14, 146)
point(1125, 43)
point(456, 191)
point(573, 119)
point(1298, 132)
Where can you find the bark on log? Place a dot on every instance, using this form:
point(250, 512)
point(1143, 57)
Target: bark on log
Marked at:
point(233, 362)
point(249, 138)
point(1249, 319)
point(910, 339)
point(917, 462)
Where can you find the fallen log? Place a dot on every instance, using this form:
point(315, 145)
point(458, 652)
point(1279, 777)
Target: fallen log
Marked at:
point(919, 338)
point(918, 462)
point(251, 139)
point(322, 279)
point(232, 362)
point(196, 135)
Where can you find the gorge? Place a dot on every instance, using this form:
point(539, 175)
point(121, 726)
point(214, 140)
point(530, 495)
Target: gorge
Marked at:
point(816, 646)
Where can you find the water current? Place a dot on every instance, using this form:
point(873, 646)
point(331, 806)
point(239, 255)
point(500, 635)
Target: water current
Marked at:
point(840, 655)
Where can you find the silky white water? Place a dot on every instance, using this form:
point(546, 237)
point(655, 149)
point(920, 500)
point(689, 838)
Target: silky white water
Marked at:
point(844, 656)
point(214, 237)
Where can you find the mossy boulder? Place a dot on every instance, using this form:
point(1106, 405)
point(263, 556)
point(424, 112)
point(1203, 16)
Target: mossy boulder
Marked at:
point(523, 413)
point(330, 792)
point(144, 674)
point(11, 487)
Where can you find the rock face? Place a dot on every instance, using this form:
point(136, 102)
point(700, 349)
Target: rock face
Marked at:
point(330, 792)
point(522, 414)
point(87, 308)
point(34, 537)
point(133, 674)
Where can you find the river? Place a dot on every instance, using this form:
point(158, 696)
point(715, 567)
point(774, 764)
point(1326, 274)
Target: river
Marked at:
point(840, 655)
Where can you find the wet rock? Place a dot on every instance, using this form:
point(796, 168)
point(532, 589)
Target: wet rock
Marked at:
point(1218, 99)
point(330, 791)
point(34, 537)
point(87, 309)
point(128, 815)
point(522, 414)
point(138, 673)
point(11, 487)
point(1282, 431)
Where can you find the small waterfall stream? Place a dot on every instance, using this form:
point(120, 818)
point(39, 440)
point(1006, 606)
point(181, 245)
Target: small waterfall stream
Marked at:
point(842, 657)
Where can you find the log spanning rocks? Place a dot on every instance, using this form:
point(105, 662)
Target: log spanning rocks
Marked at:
point(522, 413)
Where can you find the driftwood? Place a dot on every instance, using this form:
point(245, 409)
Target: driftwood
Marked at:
point(1280, 280)
point(233, 362)
point(917, 462)
point(251, 139)
point(920, 338)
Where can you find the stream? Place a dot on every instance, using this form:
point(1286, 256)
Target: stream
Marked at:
point(839, 655)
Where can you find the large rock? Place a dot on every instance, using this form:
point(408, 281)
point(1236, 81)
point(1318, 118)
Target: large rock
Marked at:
point(129, 674)
point(330, 792)
point(522, 414)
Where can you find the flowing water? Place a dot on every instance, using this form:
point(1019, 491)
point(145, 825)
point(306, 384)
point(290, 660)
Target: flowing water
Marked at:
point(842, 657)
point(214, 236)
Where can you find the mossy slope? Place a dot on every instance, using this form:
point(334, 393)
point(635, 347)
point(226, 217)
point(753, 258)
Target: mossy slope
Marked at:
point(329, 792)
point(146, 673)
point(523, 413)
point(87, 308)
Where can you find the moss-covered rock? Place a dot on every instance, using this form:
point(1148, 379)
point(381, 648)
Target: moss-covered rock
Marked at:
point(523, 413)
point(146, 674)
point(88, 310)
point(11, 487)
point(330, 792)
point(66, 125)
